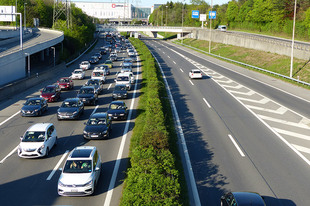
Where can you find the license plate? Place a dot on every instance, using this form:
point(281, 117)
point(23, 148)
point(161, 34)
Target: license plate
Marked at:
point(74, 190)
point(94, 135)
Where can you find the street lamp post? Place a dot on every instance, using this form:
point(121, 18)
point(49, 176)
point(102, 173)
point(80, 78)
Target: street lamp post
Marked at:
point(182, 22)
point(166, 20)
point(210, 27)
point(27, 54)
point(292, 51)
point(25, 15)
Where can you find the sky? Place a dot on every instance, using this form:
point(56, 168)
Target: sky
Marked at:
point(149, 3)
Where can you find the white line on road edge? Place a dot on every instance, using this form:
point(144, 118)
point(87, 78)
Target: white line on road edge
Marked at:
point(9, 154)
point(182, 70)
point(191, 82)
point(182, 140)
point(9, 118)
point(94, 110)
point(58, 164)
point(206, 102)
point(169, 57)
point(108, 198)
point(236, 145)
point(109, 86)
point(174, 62)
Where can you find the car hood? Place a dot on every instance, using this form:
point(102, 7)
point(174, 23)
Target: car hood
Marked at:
point(68, 110)
point(64, 83)
point(95, 128)
point(75, 178)
point(47, 94)
point(30, 145)
point(85, 95)
point(31, 107)
point(120, 92)
point(116, 111)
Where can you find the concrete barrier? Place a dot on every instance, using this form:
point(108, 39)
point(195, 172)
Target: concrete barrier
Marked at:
point(26, 83)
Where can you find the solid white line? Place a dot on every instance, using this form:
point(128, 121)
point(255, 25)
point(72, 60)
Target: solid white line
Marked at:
point(181, 138)
point(293, 124)
point(9, 118)
point(58, 164)
point(109, 86)
point(94, 110)
point(236, 145)
point(14, 150)
point(301, 148)
point(168, 57)
point(108, 198)
point(293, 134)
point(280, 110)
point(181, 70)
point(191, 82)
point(164, 53)
point(174, 62)
point(206, 102)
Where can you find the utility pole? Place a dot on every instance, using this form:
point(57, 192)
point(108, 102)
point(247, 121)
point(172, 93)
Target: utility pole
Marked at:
point(210, 26)
point(292, 51)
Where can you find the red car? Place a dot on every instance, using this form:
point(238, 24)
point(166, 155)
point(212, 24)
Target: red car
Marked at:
point(51, 93)
point(65, 83)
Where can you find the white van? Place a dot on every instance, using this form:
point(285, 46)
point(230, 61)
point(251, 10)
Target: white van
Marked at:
point(98, 74)
point(222, 28)
point(126, 78)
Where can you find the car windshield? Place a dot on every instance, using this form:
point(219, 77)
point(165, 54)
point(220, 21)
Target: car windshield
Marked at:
point(86, 91)
point(69, 104)
point(120, 88)
point(77, 71)
point(196, 72)
point(116, 106)
point(108, 62)
point(122, 79)
point(64, 80)
point(33, 102)
point(34, 137)
point(127, 61)
point(84, 63)
point(78, 166)
point(98, 74)
point(96, 121)
point(48, 90)
point(92, 82)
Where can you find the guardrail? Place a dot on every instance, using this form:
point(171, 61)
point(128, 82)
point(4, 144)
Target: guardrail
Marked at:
point(247, 65)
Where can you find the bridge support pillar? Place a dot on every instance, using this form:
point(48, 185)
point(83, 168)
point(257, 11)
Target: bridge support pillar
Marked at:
point(131, 34)
point(154, 34)
point(42, 55)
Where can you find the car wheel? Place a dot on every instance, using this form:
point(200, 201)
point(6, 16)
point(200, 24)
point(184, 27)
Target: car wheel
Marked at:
point(56, 140)
point(40, 113)
point(46, 152)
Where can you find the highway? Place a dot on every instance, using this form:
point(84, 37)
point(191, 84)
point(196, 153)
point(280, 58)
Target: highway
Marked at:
point(244, 131)
point(34, 181)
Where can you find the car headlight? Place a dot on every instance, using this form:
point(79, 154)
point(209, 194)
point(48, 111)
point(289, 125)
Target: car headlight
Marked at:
point(88, 183)
point(61, 184)
point(75, 112)
point(41, 148)
point(84, 132)
point(36, 110)
point(121, 114)
point(53, 95)
point(110, 115)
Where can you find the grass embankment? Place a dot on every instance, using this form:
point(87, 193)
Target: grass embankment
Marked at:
point(265, 60)
point(168, 35)
point(155, 175)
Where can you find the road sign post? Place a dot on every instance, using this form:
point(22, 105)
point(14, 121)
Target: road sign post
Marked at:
point(203, 17)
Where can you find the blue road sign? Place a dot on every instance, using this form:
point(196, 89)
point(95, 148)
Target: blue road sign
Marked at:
point(195, 14)
point(212, 14)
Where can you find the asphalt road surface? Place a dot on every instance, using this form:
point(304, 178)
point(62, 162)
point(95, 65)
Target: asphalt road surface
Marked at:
point(244, 131)
point(34, 181)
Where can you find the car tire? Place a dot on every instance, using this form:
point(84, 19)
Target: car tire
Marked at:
point(40, 113)
point(46, 152)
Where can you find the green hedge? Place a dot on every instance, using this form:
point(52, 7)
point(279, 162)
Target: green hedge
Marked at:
point(154, 174)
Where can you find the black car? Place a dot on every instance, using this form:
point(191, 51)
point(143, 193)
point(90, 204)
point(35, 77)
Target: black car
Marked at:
point(98, 55)
point(103, 50)
point(71, 108)
point(88, 95)
point(96, 83)
point(34, 107)
point(93, 60)
point(98, 126)
point(120, 92)
point(242, 199)
point(117, 110)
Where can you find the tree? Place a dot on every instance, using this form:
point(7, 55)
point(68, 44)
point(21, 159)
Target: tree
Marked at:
point(232, 11)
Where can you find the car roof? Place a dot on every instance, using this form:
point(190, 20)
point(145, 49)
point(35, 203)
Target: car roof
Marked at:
point(82, 152)
point(248, 198)
point(98, 114)
point(196, 70)
point(52, 85)
point(39, 127)
point(35, 98)
point(78, 70)
point(87, 87)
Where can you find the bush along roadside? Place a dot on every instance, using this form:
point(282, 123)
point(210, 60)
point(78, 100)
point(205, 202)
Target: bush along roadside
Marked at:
point(155, 175)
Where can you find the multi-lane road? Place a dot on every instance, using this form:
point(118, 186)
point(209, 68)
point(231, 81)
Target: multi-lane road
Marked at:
point(34, 181)
point(244, 131)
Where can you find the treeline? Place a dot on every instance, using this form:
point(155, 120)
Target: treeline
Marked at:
point(77, 36)
point(272, 16)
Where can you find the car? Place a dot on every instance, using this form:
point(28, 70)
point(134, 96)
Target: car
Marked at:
point(242, 198)
point(127, 62)
point(98, 126)
point(105, 68)
point(51, 93)
point(103, 50)
point(78, 74)
point(85, 65)
point(88, 95)
point(118, 50)
point(131, 52)
point(195, 74)
point(96, 83)
point(80, 173)
point(99, 74)
point(117, 110)
point(113, 56)
point(98, 55)
point(109, 63)
point(37, 141)
point(126, 69)
point(65, 83)
point(71, 108)
point(133, 57)
point(34, 106)
point(93, 60)
point(222, 28)
point(120, 92)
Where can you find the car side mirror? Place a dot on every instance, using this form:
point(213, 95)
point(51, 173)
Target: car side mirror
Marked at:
point(21, 137)
point(97, 168)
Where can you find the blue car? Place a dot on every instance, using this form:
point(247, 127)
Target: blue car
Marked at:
point(34, 107)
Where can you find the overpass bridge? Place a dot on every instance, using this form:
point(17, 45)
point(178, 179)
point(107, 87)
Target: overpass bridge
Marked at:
point(149, 29)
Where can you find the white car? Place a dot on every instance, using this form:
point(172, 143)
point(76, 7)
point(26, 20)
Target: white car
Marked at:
point(80, 173)
point(127, 62)
point(85, 65)
point(131, 52)
point(195, 74)
point(126, 78)
point(37, 141)
point(78, 74)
